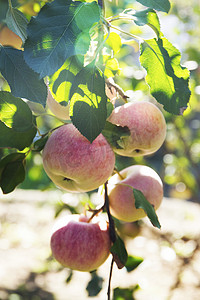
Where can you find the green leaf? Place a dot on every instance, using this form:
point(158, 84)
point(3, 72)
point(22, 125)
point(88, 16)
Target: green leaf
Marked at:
point(94, 286)
point(114, 133)
point(167, 79)
point(114, 42)
point(141, 202)
point(133, 262)
point(126, 293)
point(160, 5)
point(17, 22)
point(62, 80)
point(12, 171)
point(15, 113)
point(60, 30)
point(39, 144)
point(119, 252)
point(147, 17)
point(22, 80)
point(89, 98)
point(17, 124)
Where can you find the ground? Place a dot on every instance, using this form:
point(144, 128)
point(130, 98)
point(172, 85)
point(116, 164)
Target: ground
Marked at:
point(170, 270)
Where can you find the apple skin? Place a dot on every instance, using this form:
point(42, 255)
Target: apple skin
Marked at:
point(80, 245)
point(9, 38)
point(75, 164)
point(146, 124)
point(121, 198)
point(60, 111)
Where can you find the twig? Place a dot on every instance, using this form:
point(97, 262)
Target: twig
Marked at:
point(111, 222)
point(118, 89)
point(110, 277)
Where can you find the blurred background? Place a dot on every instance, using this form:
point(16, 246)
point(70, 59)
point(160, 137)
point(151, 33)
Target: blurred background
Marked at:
point(171, 256)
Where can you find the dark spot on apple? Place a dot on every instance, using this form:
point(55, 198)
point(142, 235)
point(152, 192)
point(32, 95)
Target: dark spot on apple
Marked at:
point(137, 150)
point(65, 178)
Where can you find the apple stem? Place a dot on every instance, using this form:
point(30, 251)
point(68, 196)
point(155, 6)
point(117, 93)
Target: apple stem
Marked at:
point(110, 277)
point(120, 175)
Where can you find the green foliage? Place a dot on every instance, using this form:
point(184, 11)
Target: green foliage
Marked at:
point(94, 285)
point(17, 123)
point(160, 5)
point(58, 33)
point(133, 262)
point(125, 294)
point(89, 98)
point(119, 252)
point(17, 22)
point(22, 80)
point(168, 80)
point(12, 171)
point(147, 17)
point(141, 202)
point(114, 133)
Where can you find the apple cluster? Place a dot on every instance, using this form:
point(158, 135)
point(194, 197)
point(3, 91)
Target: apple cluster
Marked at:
point(76, 165)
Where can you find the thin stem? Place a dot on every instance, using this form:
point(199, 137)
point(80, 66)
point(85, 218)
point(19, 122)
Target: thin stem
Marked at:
point(135, 37)
point(95, 212)
point(111, 221)
point(102, 5)
point(110, 277)
point(10, 3)
point(120, 175)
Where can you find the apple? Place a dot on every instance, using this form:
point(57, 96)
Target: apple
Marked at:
point(60, 111)
point(146, 124)
point(120, 193)
point(75, 164)
point(9, 38)
point(129, 229)
point(81, 245)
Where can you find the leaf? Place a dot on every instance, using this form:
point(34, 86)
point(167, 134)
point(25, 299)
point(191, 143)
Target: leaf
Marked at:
point(22, 80)
point(12, 171)
point(160, 5)
point(167, 79)
point(114, 133)
point(133, 262)
point(147, 17)
point(17, 124)
point(88, 102)
point(111, 68)
point(61, 81)
point(60, 30)
point(39, 144)
point(141, 202)
point(94, 286)
point(17, 22)
point(125, 293)
point(15, 113)
point(119, 252)
point(114, 42)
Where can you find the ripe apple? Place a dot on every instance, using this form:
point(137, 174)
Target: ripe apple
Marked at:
point(80, 245)
point(146, 124)
point(60, 111)
point(120, 193)
point(75, 164)
point(9, 38)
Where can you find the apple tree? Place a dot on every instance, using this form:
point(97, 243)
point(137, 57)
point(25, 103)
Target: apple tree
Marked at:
point(59, 60)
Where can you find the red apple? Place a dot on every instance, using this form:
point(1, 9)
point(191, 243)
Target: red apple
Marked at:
point(146, 124)
point(121, 198)
point(75, 164)
point(80, 245)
